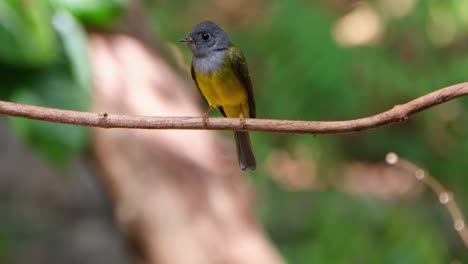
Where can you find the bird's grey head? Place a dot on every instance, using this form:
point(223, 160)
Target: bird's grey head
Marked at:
point(207, 38)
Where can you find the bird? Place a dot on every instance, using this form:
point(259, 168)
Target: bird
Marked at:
point(219, 70)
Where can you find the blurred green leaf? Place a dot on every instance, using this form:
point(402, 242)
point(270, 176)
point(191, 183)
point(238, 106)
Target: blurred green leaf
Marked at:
point(93, 12)
point(26, 34)
point(51, 88)
point(75, 46)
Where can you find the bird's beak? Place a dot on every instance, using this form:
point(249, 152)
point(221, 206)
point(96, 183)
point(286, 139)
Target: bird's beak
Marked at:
point(186, 40)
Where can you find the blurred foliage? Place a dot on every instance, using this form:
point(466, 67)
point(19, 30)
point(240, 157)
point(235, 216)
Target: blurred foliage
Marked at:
point(92, 12)
point(304, 66)
point(339, 228)
point(44, 61)
point(26, 33)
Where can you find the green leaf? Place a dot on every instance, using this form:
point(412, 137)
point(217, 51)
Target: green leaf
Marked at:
point(93, 12)
point(26, 34)
point(75, 45)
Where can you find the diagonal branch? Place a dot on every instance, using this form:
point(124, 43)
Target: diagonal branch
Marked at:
point(397, 114)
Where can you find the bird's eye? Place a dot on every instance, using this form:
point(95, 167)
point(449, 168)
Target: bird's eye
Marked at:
point(205, 36)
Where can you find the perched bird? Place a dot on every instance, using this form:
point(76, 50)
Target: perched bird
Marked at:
point(220, 72)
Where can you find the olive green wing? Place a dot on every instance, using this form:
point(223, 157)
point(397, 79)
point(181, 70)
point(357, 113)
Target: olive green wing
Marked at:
point(239, 65)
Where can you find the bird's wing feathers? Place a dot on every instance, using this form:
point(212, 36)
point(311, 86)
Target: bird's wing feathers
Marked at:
point(239, 64)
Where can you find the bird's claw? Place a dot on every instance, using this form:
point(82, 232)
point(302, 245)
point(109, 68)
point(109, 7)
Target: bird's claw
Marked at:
point(242, 120)
point(205, 119)
point(206, 115)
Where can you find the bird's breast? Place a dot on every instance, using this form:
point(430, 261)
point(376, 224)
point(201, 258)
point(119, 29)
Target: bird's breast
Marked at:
point(219, 84)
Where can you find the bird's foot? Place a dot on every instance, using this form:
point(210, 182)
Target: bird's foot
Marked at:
point(242, 120)
point(206, 115)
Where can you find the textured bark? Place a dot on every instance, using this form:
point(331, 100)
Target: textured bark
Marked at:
point(179, 196)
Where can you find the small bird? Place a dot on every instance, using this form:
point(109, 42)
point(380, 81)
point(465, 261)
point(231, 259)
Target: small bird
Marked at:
point(220, 72)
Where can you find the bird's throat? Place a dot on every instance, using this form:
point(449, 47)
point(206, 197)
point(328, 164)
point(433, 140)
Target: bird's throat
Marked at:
point(211, 63)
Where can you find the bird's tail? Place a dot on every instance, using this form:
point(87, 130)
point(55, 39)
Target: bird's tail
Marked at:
point(244, 151)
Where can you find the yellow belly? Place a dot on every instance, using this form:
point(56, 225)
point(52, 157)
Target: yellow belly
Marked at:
point(223, 89)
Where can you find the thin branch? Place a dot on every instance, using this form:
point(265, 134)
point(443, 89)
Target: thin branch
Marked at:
point(444, 195)
point(397, 114)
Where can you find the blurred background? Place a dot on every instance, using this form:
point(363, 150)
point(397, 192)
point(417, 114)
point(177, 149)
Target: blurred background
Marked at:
point(67, 192)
